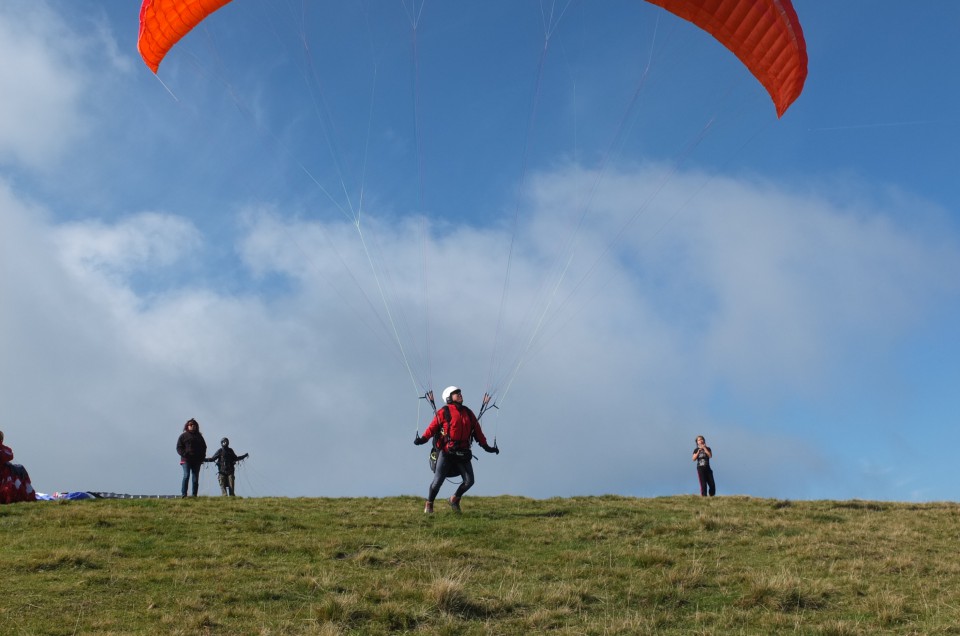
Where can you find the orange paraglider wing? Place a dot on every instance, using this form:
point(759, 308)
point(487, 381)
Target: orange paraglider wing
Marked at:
point(764, 34)
point(164, 22)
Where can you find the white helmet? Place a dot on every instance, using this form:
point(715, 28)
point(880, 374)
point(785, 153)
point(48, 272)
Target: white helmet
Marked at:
point(447, 392)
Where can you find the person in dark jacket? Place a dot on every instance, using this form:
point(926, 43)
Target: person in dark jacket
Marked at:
point(455, 427)
point(226, 461)
point(702, 455)
point(193, 451)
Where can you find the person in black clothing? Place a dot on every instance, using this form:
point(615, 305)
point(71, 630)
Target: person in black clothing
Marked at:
point(193, 451)
point(226, 461)
point(702, 455)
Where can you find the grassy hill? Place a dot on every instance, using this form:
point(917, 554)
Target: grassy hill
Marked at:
point(508, 565)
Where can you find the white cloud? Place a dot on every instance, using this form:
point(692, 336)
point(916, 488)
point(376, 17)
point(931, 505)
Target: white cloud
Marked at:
point(312, 386)
point(139, 242)
point(720, 304)
point(45, 118)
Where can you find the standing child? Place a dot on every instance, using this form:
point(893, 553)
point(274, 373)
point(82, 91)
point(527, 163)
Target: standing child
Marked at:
point(702, 455)
point(226, 461)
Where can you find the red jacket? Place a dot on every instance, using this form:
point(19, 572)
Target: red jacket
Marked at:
point(457, 412)
point(6, 454)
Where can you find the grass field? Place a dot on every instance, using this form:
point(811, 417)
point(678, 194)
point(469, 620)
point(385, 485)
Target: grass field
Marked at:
point(508, 565)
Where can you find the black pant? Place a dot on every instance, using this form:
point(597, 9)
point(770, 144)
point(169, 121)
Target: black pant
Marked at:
point(705, 473)
point(450, 466)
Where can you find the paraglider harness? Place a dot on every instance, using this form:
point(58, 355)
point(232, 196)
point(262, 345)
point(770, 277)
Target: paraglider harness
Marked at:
point(441, 438)
point(227, 465)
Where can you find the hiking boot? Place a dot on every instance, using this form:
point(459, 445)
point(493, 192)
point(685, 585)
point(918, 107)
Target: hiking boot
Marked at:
point(428, 508)
point(455, 504)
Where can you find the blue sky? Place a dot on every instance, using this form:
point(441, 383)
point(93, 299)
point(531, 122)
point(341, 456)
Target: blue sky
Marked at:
point(299, 226)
